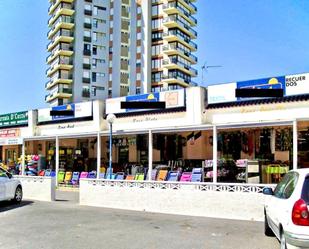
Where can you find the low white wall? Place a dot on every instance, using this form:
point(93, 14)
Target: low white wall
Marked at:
point(182, 199)
point(38, 188)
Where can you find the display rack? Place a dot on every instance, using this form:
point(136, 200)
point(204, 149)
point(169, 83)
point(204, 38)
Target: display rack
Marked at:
point(248, 171)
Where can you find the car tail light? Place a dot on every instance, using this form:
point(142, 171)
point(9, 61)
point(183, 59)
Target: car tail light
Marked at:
point(300, 214)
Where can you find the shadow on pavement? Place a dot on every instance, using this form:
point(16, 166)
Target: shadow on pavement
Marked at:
point(8, 205)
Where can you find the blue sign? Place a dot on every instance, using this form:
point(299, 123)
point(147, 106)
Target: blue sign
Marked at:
point(266, 83)
point(151, 97)
point(69, 107)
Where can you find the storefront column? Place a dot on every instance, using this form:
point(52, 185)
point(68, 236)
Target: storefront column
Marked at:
point(149, 155)
point(295, 144)
point(215, 154)
point(23, 158)
point(98, 155)
point(57, 159)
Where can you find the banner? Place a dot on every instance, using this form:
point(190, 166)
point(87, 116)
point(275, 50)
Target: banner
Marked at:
point(14, 119)
point(296, 84)
point(81, 110)
point(172, 99)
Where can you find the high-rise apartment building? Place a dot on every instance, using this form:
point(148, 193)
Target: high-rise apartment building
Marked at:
point(111, 48)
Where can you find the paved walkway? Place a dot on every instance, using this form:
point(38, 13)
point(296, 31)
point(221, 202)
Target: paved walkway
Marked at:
point(64, 224)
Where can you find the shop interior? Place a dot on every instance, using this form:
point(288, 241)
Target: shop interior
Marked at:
point(303, 144)
point(254, 155)
point(245, 155)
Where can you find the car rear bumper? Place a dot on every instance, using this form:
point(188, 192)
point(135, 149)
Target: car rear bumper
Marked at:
point(298, 240)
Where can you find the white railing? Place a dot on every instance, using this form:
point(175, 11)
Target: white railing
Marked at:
point(198, 186)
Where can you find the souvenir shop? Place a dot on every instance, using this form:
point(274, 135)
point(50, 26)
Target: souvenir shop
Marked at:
point(259, 140)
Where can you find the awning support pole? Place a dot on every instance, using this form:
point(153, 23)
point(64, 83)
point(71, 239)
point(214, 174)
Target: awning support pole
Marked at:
point(98, 154)
point(295, 145)
point(23, 158)
point(150, 145)
point(57, 160)
point(214, 154)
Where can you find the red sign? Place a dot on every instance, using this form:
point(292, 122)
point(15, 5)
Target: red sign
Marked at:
point(9, 133)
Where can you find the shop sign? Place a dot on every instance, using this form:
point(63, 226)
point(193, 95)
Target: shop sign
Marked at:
point(144, 119)
point(81, 110)
point(172, 99)
point(221, 93)
point(14, 119)
point(297, 84)
point(266, 83)
point(10, 141)
point(262, 108)
point(9, 133)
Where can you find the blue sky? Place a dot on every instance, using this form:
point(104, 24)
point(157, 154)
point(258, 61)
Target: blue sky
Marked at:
point(249, 39)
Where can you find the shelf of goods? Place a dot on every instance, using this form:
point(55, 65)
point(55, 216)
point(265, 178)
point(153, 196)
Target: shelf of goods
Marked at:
point(248, 171)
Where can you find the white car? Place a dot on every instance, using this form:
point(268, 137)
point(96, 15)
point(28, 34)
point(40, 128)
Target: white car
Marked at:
point(287, 210)
point(10, 187)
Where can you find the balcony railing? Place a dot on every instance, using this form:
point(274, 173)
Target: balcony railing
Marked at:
point(191, 4)
point(182, 50)
point(88, 12)
point(179, 34)
point(182, 10)
point(176, 19)
point(86, 80)
point(86, 66)
point(61, 6)
point(179, 63)
point(87, 52)
point(86, 94)
point(60, 47)
point(87, 39)
point(87, 25)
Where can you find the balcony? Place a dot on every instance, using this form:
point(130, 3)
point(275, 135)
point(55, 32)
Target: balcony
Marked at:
point(86, 66)
point(174, 49)
point(61, 93)
point(177, 79)
point(87, 39)
point(176, 8)
point(63, 9)
point(189, 5)
point(61, 64)
point(87, 52)
point(88, 12)
point(63, 80)
point(175, 63)
point(87, 25)
point(63, 22)
point(59, 50)
point(86, 94)
point(60, 36)
point(175, 21)
point(52, 7)
point(86, 80)
point(177, 35)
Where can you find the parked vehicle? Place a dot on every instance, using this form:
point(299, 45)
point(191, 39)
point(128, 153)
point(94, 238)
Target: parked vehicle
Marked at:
point(287, 210)
point(10, 187)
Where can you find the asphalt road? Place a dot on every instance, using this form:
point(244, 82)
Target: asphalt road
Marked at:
point(65, 224)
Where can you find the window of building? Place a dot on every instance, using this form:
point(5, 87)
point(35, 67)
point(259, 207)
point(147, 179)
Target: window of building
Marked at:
point(94, 77)
point(94, 50)
point(87, 7)
point(86, 74)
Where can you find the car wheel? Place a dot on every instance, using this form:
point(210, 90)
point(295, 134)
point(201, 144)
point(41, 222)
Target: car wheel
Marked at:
point(267, 229)
point(18, 195)
point(282, 241)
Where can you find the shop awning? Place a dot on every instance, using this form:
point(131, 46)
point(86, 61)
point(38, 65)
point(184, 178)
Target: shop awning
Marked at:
point(153, 112)
point(303, 97)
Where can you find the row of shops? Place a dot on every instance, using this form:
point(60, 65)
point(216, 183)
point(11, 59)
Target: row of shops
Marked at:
point(228, 139)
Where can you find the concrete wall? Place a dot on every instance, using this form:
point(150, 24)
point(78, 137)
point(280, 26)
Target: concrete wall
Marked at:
point(38, 188)
point(188, 200)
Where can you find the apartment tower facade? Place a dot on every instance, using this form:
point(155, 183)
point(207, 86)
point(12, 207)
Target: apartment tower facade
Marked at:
point(111, 48)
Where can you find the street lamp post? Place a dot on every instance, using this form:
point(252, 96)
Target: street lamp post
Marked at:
point(110, 119)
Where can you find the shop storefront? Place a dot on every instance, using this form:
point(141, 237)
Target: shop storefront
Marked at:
point(13, 127)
